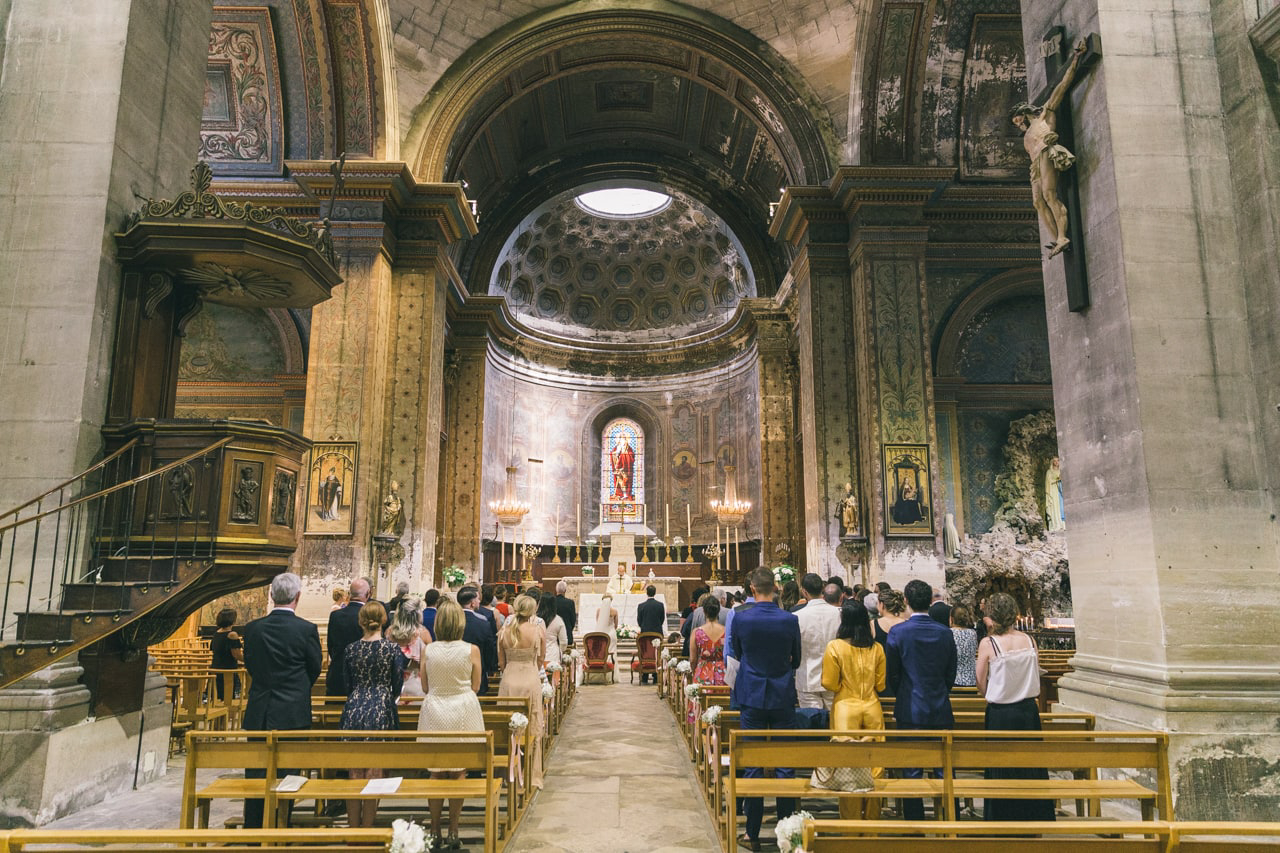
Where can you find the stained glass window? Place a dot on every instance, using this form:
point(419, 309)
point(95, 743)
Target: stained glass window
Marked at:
point(622, 470)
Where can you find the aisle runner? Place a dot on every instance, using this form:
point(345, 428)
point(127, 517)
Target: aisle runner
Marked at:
point(618, 781)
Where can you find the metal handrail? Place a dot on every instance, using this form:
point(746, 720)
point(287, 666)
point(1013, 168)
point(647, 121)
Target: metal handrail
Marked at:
point(119, 486)
point(82, 475)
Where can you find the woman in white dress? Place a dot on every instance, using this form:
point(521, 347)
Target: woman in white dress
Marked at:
point(407, 632)
point(606, 621)
point(557, 637)
point(450, 678)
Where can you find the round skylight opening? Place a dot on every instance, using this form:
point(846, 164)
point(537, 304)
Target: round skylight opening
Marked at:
point(623, 202)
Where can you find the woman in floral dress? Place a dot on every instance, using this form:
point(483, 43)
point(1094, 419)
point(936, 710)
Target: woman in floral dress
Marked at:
point(374, 671)
point(707, 649)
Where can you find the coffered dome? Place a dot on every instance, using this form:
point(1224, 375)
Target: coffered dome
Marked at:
point(572, 269)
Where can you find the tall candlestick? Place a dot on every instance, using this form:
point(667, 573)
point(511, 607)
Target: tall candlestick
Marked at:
point(688, 523)
point(579, 521)
point(644, 514)
point(737, 547)
point(666, 531)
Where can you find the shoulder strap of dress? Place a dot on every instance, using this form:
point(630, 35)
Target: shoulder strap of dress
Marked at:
point(994, 645)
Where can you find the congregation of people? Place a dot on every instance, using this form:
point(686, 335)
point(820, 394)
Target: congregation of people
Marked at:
point(819, 655)
point(438, 652)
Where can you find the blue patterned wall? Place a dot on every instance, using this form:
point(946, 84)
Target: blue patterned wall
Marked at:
point(1007, 343)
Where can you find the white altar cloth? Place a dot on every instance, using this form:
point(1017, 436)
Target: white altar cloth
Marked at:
point(626, 604)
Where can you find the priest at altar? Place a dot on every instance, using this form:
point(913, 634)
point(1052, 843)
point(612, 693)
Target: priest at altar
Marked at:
point(622, 581)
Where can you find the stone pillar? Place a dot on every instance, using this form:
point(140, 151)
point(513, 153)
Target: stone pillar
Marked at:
point(1169, 489)
point(781, 497)
point(462, 463)
point(810, 220)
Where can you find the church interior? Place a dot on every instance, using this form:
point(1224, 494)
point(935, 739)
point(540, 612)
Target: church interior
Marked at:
point(515, 291)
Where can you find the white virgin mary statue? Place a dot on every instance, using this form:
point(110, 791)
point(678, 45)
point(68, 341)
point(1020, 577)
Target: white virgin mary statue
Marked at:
point(1055, 518)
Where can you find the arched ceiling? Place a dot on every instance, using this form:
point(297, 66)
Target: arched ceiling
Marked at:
point(668, 275)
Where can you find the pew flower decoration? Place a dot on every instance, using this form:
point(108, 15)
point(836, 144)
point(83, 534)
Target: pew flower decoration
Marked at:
point(408, 837)
point(790, 831)
point(548, 691)
point(684, 666)
point(552, 666)
point(454, 576)
point(666, 654)
point(712, 714)
point(519, 722)
point(693, 691)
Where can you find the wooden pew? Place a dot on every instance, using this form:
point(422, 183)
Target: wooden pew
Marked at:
point(217, 840)
point(310, 751)
point(1225, 837)
point(852, 836)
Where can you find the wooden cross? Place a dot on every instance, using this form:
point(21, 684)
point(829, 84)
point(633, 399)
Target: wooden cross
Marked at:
point(1055, 50)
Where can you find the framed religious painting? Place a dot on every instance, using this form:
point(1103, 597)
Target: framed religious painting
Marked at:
point(908, 507)
point(331, 489)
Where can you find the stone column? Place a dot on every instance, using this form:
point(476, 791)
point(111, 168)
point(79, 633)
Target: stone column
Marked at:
point(1169, 490)
point(812, 221)
point(781, 497)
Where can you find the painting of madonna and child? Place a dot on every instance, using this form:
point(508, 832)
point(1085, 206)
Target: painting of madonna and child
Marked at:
point(908, 510)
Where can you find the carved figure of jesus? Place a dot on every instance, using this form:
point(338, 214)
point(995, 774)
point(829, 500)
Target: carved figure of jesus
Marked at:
point(1048, 158)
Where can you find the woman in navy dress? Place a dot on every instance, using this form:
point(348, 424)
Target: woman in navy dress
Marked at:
point(374, 670)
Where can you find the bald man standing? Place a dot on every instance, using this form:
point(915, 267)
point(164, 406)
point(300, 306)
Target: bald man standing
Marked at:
point(344, 629)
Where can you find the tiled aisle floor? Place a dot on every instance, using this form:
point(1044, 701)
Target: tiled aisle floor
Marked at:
point(618, 781)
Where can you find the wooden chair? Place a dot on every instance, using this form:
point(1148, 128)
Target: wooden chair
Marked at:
point(197, 703)
point(598, 660)
point(645, 660)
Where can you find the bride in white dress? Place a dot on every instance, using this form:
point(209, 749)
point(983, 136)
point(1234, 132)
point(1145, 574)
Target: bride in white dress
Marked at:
point(605, 621)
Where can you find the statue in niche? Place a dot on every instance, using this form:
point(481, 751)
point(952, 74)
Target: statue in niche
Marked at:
point(245, 497)
point(950, 539)
point(393, 512)
point(1055, 517)
point(181, 482)
point(1048, 158)
point(847, 512)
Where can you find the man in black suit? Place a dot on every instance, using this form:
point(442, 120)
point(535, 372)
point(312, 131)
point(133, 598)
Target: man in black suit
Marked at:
point(567, 611)
point(344, 629)
point(479, 632)
point(651, 617)
point(282, 657)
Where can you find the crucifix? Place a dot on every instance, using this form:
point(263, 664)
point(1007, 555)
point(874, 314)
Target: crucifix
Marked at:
point(1049, 139)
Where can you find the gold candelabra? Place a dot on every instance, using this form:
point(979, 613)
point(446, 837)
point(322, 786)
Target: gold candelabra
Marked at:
point(529, 552)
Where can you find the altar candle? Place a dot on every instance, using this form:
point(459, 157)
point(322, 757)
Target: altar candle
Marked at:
point(579, 521)
point(644, 514)
point(688, 523)
point(667, 528)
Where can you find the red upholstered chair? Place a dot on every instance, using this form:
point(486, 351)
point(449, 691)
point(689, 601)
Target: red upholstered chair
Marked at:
point(598, 660)
point(645, 660)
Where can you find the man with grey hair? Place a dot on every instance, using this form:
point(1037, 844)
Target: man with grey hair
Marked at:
point(567, 611)
point(344, 629)
point(282, 657)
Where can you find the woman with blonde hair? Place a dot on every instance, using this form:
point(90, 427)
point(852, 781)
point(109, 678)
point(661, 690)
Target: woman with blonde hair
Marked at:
point(407, 632)
point(450, 675)
point(520, 651)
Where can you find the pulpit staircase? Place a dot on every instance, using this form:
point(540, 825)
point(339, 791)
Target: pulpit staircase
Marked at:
point(99, 553)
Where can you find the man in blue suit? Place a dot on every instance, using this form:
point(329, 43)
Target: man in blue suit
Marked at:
point(766, 642)
point(921, 668)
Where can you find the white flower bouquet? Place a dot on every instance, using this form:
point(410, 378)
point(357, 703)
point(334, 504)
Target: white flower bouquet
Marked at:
point(626, 632)
point(552, 666)
point(712, 714)
point(693, 691)
point(519, 722)
point(666, 654)
point(454, 576)
point(684, 666)
point(783, 573)
point(789, 831)
point(408, 837)
point(548, 691)
point(567, 658)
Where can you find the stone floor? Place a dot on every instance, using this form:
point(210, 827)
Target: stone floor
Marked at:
point(618, 781)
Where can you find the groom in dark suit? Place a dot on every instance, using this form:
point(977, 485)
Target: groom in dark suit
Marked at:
point(282, 657)
point(479, 632)
point(651, 617)
point(766, 642)
point(920, 669)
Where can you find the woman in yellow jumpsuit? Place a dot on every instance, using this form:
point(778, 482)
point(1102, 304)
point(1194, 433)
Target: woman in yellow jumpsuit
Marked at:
point(853, 668)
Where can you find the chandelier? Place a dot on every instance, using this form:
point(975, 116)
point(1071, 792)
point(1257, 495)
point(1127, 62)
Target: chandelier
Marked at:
point(510, 511)
point(730, 511)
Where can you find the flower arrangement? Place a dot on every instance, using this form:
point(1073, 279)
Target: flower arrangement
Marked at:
point(684, 666)
point(548, 691)
point(454, 576)
point(783, 573)
point(693, 691)
point(567, 658)
point(519, 722)
point(712, 714)
point(666, 654)
point(670, 663)
point(588, 571)
point(626, 632)
point(790, 831)
point(552, 666)
point(408, 837)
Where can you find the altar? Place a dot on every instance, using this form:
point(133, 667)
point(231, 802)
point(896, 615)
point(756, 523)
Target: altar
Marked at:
point(586, 592)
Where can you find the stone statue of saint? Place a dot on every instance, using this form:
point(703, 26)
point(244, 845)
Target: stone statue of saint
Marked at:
point(1055, 518)
point(950, 538)
point(1048, 158)
point(393, 512)
point(848, 512)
